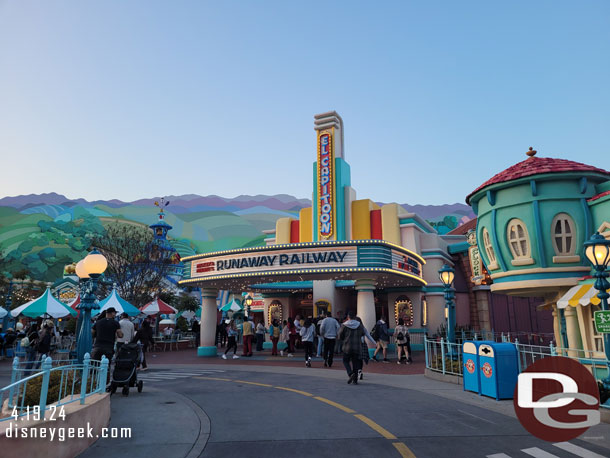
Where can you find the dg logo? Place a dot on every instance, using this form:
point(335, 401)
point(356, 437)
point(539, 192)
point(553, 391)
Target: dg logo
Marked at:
point(557, 399)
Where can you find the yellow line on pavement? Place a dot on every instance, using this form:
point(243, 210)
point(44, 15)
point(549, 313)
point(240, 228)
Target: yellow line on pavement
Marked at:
point(304, 393)
point(215, 378)
point(253, 383)
point(404, 451)
point(335, 404)
point(380, 429)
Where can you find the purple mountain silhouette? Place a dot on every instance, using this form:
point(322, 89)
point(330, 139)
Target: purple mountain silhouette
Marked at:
point(192, 202)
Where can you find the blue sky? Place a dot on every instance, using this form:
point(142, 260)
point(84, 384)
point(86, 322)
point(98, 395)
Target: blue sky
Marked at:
point(114, 99)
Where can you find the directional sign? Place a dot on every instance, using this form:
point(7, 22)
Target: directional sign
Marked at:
point(602, 321)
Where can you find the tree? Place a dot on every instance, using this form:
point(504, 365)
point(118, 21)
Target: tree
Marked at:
point(187, 302)
point(137, 265)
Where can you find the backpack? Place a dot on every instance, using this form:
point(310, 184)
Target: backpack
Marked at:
point(25, 342)
point(375, 332)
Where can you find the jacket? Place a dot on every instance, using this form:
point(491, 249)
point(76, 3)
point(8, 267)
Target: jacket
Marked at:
point(329, 328)
point(308, 333)
point(382, 327)
point(247, 328)
point(351, 334)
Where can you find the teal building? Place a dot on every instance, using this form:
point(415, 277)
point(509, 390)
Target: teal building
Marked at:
point(532, 221)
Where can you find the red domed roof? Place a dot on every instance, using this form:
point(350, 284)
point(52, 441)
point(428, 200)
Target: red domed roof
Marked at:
point(536, 166)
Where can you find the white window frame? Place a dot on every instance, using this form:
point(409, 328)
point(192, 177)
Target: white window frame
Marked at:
point(521, 256)
point(489, 250)
point(562, 255)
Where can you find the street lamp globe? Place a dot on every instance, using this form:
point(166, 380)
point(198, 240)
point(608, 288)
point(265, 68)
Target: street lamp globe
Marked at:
point(446, 274)
point(597, 251)
point(80, 270)
point(248, 301)
point(95, 263)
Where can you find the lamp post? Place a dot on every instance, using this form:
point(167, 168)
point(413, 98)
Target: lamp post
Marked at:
point(89, 271)
point(447, 274)
point(248, 301)
point(597, 251)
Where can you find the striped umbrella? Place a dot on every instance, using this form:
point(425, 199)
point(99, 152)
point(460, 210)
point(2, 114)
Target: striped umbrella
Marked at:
point(119, 304)
point(232, 306)
point(3, 312)
point(157, 307)
point(188, 314)
point(45, 306)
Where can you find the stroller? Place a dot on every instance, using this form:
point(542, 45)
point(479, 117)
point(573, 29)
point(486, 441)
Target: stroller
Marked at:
point(126, 361)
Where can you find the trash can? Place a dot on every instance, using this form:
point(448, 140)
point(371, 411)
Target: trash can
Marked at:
point(471, 371)
point(499, 369)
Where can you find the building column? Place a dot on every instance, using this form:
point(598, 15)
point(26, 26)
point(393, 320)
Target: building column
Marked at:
point(366, 302)
point(481, 294)
point(207, 344)
point(572, 330)
point(557, 327)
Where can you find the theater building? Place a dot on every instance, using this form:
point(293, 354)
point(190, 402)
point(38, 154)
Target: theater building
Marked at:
point(340, 254)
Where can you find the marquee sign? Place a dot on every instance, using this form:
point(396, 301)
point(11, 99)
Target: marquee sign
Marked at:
point(275, 260)
point(326, 185)
point(476, 266)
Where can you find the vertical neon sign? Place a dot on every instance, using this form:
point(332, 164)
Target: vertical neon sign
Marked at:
point(326, 185)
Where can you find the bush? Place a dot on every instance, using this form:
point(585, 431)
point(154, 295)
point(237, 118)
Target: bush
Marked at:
point(32, 392)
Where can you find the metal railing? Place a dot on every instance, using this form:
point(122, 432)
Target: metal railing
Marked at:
point(443, 356)
point(51, 386)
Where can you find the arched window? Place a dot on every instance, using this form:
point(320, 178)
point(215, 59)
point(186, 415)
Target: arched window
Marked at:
point(563, 234)
point(519, 242)
point(489, 249)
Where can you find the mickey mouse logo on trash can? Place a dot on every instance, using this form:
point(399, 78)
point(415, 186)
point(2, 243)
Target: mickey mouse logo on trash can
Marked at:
point(470, 366)
point(487, 370)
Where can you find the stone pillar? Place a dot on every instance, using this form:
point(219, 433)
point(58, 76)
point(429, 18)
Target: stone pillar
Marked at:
point(557, 327)
point(207, 345)
point(366, 302)
point(481, 294)
point(572, 330)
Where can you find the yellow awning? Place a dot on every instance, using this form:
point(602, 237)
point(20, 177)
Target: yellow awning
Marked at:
point(579, 294)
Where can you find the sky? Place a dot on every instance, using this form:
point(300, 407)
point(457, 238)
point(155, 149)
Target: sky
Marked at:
point(127, 100)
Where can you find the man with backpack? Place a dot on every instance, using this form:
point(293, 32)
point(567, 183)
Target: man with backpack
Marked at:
point(351, 334)
point(382, 336)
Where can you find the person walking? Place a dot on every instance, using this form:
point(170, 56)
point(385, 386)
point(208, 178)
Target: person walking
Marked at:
point(29, 343)
point(144, 337)
point(329, 327)
point(260, 335)
point(196, 328)
point(401, 337)
point(382, 336)
point(232, 334)
point(128, 330)
point(307, 333)
point(45, 338)
point(248, 335)
point(106, 331)
point(319, 338)
point(364, 352)
point(274, 334)
point(350, 335)
point(285, 337)
point(292, 336)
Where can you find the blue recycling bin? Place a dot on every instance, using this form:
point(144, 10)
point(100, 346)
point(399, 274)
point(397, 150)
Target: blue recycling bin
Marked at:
point(499, 369)
point(472, 376)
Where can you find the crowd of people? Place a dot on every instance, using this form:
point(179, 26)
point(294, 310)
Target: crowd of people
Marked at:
point(323, 336)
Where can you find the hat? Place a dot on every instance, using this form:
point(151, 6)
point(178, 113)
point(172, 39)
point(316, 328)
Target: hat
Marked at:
point(49, 323)
point(19, 326)
point(110, 310)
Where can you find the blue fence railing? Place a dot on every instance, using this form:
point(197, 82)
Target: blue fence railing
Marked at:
point(446, 358)
point(35, 390)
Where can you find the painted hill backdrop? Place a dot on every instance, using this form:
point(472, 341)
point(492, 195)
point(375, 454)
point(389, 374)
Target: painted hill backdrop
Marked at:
point(42, 233)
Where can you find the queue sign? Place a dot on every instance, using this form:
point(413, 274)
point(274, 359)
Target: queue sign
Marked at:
point(602, 321)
